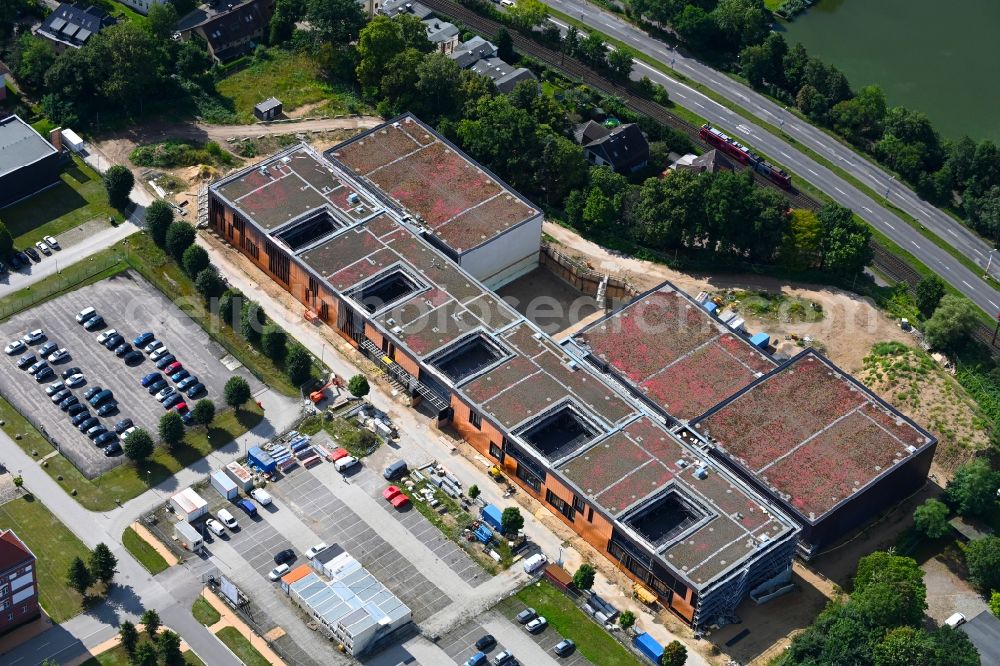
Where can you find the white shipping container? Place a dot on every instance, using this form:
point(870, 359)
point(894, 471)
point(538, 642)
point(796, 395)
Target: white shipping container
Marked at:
point(223, 484)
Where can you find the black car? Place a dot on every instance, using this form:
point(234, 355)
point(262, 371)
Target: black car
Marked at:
point(156, 387)
point(195, 390)
point(94, 323)
point(486, 643)
point(284, 556)
point(72, 371)
point(123, 425)
point(133, 357)
point(96, 431)
point(30, 251)
point(105, 438)
point(69, 402)
point(87, 424)
point(26, 361)
point(108, 408)
point(91, 392)
point(114, 341)
point(45, 374)
point(122, 349)
point(165, 361)
point(15, 260)
point(80, 416)
point(113, 449)
point(77, 408)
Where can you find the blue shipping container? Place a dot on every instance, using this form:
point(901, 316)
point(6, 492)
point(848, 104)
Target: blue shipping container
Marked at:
point(259, 459)
point(491, 515)
point(760, 340)
point(645, 644)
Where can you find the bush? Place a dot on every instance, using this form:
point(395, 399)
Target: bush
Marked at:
point(236, 391)
point(252, 320)
point(358, 386)
point(274, 342)
point(209, 283)
point(159, 217)
point(203, 412)
point(180, 236)
point(298, 365)
point(626, 619)
point(230, 303)
point(983, 558)
point(118, 182)
point(931, 519)
point(194, 260)
point(952, 323)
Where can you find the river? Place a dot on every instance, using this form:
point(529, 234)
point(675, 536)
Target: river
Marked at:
point(924, 58)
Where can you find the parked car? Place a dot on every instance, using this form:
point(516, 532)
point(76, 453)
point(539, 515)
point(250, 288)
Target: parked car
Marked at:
point(128, 432)
point(395, 470)
point(113, 341)
point(504, 658)
point(195, 390)
point(47, 348)
point(108, 408)
point(91, 392)
point(283, 556)
point(123, 425)
point(94, 323)
point(58, 355)
point(156, 386)
point(106, 438)
point(122, 349)
point(179, 375)
point(215, 526)
point(526, 616)
point(173, 367)
point(186, 382)
point(104, 335)
point(43, 248)
point(33, 337)
point(150, 379)
point(45, 374)
point(80, 417)
point(53, 243)
point(262, 496)
point(315, 550)
point(486, 643)
point(25, 360)
point(78, 408)
point(86, 424)
point(395, 497)
point(278, 571)
point(134, 357)
point(69, 372)
point(159, 352)
point(165, 361)
point(534, 563)
point(54, 388)
point(14, 347)
point(537, 625)
point(101, 397)
point(85, 315)
point(247, 506)
point(75, 380)
point(30, 251)
point(36, 367)
point(15, 260)
point(68, 402)
point(478, 659)
point(165, 393)
point(227, 519)
point(142, 340)
point(95, 431)
point(23, 258)
point(564, 647)
point(152, 347)
point(59, 396)
point(113, 449)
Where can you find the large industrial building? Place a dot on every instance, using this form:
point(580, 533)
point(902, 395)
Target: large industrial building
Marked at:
point(28, 163)
point(394, 239)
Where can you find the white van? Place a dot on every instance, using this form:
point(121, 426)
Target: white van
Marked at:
point(534, 563)
point(85, 315)
point(345, 463)
point(227, 519)
point(955, 620)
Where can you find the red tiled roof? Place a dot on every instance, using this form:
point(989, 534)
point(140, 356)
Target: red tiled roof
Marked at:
point(12, 551)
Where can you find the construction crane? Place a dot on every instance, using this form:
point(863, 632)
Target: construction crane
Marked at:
point(320, 393)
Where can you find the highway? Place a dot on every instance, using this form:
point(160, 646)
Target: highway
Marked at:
point(840, 190)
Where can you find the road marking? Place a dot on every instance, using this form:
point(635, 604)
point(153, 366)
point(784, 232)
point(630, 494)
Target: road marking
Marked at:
point(993, 304)
point(915, 244)
point(952, 232)
point(699, 105)
point(890, 226)
point(811, 171)
point(967, 284)
point(744, 129)
point(681, 95)
point(840, 190)
point(867, 209)
point(784, 154)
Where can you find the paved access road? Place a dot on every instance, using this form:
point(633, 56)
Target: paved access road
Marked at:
point(874, 212)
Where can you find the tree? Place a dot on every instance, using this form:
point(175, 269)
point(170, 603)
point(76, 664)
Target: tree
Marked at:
point(169, 646)
point(79, 577)
point(159, 217)
point(742, 22)
point(398, 86)
point(620, 61)
point(180, 236)
point(626, 619)
point(931, 519)
point(380, 41)
point(695, 27)
point(145, 655)
point(674, 654)
point(983, 558)
point(118, 182)
point(497, 132)
point(138, 445)
point(162, 20)
point(115, 52)
point(298, 364)
point(583, 579)
point(563, 168)
point(527, 14)
point(6, 240)
point(274, 342)
point(800, 247)
point(860, 118)
point(236, 391)
point(889, 591)
point(171, 429)
point(930, 291)
point(335, 21)
point(844, 241)
point(511, 520)
point(129, 636)
point(505, 45)
point(151, 619)
point(972, 491)
point(203, 412)
point(103, 564)
point(286, 12)
point(194, 260)
point(593, 50)
point(438, 85)
point(358, 386)
point(230, 303)
point(209, 283)
point(995, 604)
point(474, 491)
point(952, 324)
point(31, 59)
point(252, 321)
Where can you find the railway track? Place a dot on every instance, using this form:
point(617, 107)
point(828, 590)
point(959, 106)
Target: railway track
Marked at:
point(883, 260)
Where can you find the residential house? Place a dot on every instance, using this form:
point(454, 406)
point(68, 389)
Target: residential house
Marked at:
point(442, 34)
point(393, 8)
point(480, 56)
point(18, 583)
point(623, 148)
point(235, 32)
point(142, 6)
point(711, 162)
point(70, 26)
point(469, 53)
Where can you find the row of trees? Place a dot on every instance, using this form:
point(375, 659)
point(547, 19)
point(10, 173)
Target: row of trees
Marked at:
point(158, 647)
point(101, 568)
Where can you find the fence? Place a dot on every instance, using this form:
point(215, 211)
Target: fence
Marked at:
point(573, 271)
point(57, 284)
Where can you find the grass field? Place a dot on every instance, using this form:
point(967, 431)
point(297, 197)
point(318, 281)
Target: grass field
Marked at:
point(204, 612)
point(773, 4)
point(241, 647)
point(54, 546)
point(591, 640)
point(294, 78)
point(78, 198)
point(143, 552)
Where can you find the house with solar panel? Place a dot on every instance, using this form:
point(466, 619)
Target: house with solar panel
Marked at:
point(71, 26)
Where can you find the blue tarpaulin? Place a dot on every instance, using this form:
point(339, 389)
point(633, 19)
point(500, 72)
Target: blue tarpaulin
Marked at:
point(645, 644)
point(710, 306)
point(491, 514)
point(484, 533)
point(760, 340)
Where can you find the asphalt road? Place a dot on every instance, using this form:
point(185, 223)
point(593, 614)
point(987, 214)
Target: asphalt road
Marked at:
point(873, 211)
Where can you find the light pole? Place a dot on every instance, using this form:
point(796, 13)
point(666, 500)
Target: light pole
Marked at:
point(888, 186)
point(989, 262)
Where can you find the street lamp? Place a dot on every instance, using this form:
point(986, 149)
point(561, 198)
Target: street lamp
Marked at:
point(989, 262)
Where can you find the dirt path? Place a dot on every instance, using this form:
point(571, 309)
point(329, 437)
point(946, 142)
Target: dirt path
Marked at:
point(851, 325)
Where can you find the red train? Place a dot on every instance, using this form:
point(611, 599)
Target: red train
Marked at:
point(744, 155)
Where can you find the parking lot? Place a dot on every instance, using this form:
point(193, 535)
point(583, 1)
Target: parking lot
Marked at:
point(130, 305)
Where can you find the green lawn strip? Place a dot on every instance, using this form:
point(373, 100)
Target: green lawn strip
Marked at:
point(592, 641)
point(154, 265)
point(294, 78)
point(79, 197)
point(117, 656)
point(143, 552)
point(54, 546)
point(773, 129)
point(241, 647)
point(204, 612)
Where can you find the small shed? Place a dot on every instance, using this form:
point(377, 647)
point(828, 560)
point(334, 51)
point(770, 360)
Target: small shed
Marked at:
point(189, 505)
point(240, 475)
point(648, 646)
point(269, 109)
point(188, 537)
point(223, 484)
point(760, 340)
point(492, 516)
point(260, 459)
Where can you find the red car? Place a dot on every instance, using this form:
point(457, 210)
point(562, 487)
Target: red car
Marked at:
point(172, 368)
point(181, 407)
point(337, 454)
point(395, 497)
